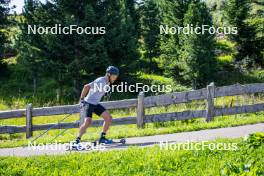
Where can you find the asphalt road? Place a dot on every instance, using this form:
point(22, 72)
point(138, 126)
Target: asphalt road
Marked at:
point(193, 136)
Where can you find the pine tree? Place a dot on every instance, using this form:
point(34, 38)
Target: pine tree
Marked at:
point(197, 62)
point(173, 12)
point(237, 13)
point(121, 38)
point(150, 31)
point(257, 20)
point(4, 10)
point(32, 47)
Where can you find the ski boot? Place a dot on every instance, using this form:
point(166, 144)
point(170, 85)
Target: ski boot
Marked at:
point(104, 140)
point(76, 145)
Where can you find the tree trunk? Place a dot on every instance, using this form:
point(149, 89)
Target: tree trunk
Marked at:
point(75, 88)
point(58, 95)
point(34, 86)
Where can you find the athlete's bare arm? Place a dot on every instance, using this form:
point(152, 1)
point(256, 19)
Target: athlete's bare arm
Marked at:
point(85, 91)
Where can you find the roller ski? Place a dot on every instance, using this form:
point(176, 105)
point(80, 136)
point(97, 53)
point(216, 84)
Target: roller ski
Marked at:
point(104, 141)
point(95, 145)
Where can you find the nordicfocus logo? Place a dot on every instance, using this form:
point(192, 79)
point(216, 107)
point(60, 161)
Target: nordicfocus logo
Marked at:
point(133, 88)
point(189, 145)
point(192, 29)
point(67, 30)
point(58, 146)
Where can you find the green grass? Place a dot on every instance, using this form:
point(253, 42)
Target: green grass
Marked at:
point(226, 46)
point(155, 79)
point(225, 58)
point(247, 160)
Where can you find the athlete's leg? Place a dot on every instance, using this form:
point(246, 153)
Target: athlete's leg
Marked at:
point(107, 120)
point(87, 122)
point(88, 110)
point(101, 111)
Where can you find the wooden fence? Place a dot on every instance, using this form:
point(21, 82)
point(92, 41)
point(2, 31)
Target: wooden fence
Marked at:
point(208, 94)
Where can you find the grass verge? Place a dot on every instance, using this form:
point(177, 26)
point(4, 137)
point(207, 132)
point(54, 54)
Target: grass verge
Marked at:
point(247, 160)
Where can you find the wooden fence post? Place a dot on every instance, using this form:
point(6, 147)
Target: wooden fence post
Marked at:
point(140, 110)
point(210, 102)
point(29, 121)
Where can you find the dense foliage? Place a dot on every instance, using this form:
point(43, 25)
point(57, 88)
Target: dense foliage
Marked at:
point(70, 59)
point(4, 9)
point(197, 61)
point(247, 43)
point(53, 68)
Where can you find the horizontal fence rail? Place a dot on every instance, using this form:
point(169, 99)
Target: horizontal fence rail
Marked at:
point(66, 109)
point(164, 117)
point(140, 104)
point(152, 101)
